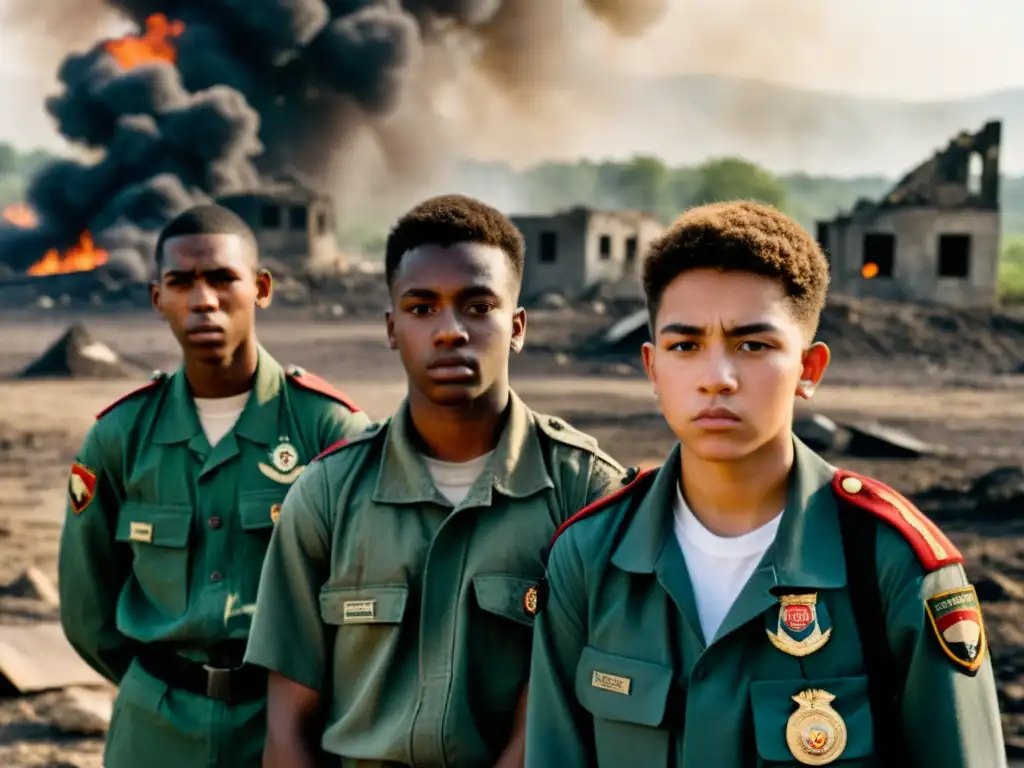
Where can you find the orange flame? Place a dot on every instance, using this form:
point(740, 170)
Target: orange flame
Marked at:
point(78, 258)
point(21, 215)
point(869, 270)
point(153, 47)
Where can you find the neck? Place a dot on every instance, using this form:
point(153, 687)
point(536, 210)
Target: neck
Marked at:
point(463, 432)
point(224, 378)
point(736, 497)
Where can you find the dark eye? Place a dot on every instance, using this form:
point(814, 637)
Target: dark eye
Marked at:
point(418, 309)
point(753, 346)
point(684, 346)
point(480, 309)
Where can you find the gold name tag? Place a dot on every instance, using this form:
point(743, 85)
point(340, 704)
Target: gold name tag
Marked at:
point(360, 610)
point(612, 683)
point(141, 532)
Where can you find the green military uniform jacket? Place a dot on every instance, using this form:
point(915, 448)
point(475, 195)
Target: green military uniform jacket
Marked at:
point(414, 619)
point(164, 536)
point(621, 675)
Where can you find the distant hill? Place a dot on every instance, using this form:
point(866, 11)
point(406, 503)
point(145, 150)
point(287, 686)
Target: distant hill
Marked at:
point(685, 119)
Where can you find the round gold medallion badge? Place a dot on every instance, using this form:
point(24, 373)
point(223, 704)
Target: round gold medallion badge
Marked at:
point(815, 733)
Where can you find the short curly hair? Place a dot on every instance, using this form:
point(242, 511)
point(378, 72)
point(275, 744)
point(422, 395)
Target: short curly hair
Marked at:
point(449, 219)
point(741, 236)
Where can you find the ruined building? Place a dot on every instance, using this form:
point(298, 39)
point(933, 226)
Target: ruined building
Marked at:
point(575, 250)
point(933, 238)
point(294, 226)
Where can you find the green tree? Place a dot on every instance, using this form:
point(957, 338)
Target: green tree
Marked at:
point(731, 178)
point(642, 183)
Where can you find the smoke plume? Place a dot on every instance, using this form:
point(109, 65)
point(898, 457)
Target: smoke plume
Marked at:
point(228, 93)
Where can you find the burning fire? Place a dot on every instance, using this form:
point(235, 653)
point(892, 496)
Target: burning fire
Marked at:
point(153, 47)
point(869, 270)
point(21, 215)
point(78, 258)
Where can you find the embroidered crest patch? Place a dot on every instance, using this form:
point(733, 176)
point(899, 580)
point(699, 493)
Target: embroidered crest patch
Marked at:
point(81, 487)
point(802, 626)
point(956, 618)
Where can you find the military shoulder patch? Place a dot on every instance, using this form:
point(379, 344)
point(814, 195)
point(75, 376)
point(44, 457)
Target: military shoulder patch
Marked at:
point(930, 544)
point(81, 487)
point(955, 616)
point(158, 378)
point(314, 383)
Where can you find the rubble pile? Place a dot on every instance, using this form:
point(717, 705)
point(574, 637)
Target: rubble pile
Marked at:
point(76, 354)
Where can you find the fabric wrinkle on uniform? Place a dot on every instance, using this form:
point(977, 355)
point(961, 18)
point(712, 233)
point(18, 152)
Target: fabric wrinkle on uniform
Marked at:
point(621, 674)
point(160, 559)
point(413, 615)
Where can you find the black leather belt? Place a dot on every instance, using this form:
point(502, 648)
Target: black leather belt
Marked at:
point(236, 684)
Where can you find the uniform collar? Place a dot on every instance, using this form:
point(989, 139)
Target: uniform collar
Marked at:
point(516, 468)
point(807, 551)
point(178, 422)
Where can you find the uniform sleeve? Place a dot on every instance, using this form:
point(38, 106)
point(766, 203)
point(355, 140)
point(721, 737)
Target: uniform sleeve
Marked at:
point(951, 715)
point(559, 732)
point(92, 567)
point(288, 635)
point(605, 477)
point(338, 423)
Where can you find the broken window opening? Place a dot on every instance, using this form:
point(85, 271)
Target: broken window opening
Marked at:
point(270, 217)
point(822, 236)
point(298, 217)
point(954, 255)
point(321, 222)
point(605, 247)
point(631, 249)
point(548, 247)
point(975, 171)
point(879, 255)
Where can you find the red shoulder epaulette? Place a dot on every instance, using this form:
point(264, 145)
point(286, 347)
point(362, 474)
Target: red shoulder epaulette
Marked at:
point(332, 448)
point(155, 381)
point(597, 506)
point(930, 544)
point(314, 383)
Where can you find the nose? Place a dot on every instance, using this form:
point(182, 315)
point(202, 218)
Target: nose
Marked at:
point(202, 298)
point(450, 330)
point(718, 373)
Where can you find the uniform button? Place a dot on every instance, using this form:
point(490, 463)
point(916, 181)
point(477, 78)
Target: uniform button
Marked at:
point(699, 675)
point(214, 522)
point(216, 576)
point(852, 485)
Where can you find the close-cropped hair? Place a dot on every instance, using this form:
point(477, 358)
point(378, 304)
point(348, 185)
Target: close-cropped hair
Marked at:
point(450, 219)
point(740, 236)
point(209, 219)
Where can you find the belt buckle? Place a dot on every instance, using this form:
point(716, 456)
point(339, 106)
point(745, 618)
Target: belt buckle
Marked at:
point(218, 683)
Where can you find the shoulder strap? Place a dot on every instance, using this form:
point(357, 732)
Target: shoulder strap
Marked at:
point(885, 678)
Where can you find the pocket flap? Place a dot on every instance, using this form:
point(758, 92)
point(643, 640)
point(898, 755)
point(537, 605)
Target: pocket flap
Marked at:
point(504, 595)
point(620, 688)
point(161, 526)
point(257, 510)
point(364, 605)
point(772, 703)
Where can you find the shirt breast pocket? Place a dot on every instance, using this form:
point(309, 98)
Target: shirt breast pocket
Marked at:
point(258, 513)
point(845, 717)
point(368, 624)
point(159, 538)
point(628, 699)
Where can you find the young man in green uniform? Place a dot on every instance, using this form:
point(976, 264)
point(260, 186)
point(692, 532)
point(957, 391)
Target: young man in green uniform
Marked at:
point(748, 604)
point(397, 600)
point(171, 503)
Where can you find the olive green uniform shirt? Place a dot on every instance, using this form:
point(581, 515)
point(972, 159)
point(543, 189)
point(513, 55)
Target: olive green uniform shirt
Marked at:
point(621, 675)
point(413, 618)
point(164, 536)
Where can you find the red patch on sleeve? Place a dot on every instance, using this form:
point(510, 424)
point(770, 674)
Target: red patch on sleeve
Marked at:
point(81, 487)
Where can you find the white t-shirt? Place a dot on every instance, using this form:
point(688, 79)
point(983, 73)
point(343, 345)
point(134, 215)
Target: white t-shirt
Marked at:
point(719, 566)
point(219, 414)
point(454, 479)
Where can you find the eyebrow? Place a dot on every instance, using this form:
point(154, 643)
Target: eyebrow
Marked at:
point(184, 274)
point(468, 292)
point(750, 329)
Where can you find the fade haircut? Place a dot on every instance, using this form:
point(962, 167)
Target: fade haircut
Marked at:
point(450, 219)
point(207, 220)
point(741, 236)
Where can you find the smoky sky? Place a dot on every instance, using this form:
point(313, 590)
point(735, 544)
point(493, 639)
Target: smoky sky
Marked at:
point(265, 88)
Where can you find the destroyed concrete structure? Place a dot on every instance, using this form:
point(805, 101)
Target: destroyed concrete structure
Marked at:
point(573, 251)
point(294, 225)
point(933, 238)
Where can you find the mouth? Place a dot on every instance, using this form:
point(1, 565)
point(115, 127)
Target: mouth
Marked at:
point(452, 369)
point(206, 334)
point(716, 418)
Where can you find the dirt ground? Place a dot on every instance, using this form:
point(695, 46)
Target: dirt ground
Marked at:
point(974, 421)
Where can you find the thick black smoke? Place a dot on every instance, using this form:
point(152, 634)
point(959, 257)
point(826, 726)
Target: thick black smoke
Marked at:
point(260, 87)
